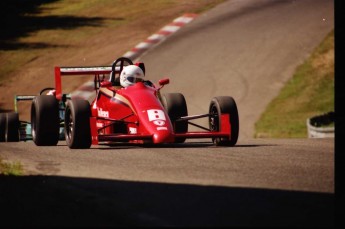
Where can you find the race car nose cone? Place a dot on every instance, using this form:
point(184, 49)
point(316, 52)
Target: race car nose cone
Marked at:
point(163, 137)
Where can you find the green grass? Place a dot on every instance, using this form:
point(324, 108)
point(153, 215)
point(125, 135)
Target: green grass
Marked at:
point(14, 169)
point(308, 93)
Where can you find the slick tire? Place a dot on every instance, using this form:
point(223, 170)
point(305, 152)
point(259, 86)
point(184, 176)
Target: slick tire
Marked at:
point(77, 124)
point(224, 105)
point(12, 127)
point(45, 122)
point(9, 127)
point(176, 107)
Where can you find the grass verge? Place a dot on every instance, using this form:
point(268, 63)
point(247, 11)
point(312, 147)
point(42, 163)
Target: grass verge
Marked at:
point(308, 93)
point(14, 169)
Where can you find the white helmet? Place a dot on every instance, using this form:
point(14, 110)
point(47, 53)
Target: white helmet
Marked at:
point(130, 75)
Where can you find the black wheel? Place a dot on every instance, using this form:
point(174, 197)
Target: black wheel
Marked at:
point(12, 127)
point(45, 122)
point(9, 127)
point(2, 126)
point(176, 107)
point(220, 105)
point(77, 124)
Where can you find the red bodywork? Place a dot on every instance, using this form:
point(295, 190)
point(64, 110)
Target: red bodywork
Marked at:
point(132, 114)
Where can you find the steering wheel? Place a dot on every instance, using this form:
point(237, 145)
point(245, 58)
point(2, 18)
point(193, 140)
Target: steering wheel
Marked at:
point(120, 62)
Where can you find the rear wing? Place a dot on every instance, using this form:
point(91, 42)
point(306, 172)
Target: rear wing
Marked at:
point(64, 71)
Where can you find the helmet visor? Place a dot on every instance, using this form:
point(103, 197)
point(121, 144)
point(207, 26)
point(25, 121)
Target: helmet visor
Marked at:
point(133, 79)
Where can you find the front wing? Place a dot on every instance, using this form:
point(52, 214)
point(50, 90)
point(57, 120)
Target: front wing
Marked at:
point(224, 132)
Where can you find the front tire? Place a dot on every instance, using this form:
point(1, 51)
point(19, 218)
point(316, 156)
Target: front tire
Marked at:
point(77, 124)
point(224, 105)
point(45, 122)
point(176, 107)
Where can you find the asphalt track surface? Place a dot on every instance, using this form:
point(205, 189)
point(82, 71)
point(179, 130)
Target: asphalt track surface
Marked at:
point(246, 49)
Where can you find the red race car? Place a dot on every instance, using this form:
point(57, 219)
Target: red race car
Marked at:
point(135, 113)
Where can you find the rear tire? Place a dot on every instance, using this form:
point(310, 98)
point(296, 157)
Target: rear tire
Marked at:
point(45, 122)
point(224, 105)
point(176, 107)
point(12, 127)
point(77, 124)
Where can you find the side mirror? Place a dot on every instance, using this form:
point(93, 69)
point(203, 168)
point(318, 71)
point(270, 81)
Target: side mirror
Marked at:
point(163, 82)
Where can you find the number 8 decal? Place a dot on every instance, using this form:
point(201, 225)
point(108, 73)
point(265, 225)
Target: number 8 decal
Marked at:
point(155, 115)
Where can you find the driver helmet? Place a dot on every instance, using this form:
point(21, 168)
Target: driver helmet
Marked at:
point(130, 75)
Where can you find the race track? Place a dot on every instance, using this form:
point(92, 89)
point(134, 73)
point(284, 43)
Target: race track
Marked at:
point(246, 49)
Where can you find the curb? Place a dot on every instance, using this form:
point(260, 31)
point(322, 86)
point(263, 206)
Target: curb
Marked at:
point(160, 36)
point(86, 91)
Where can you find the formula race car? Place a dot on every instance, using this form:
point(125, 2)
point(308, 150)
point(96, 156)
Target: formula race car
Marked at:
point(12, 129)
point(135, 114)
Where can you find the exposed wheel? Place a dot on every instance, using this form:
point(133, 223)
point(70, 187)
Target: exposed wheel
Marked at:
point(9, 127)
point(2, 126)
point(224, 105)
point(77, 124)
point(176, 107)
point(45, 122)
point(12, 127)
